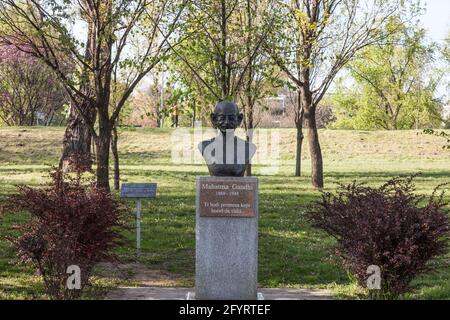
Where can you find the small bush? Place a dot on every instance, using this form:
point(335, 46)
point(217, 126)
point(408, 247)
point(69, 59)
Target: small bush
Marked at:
point(387, 227)
point(72, 223)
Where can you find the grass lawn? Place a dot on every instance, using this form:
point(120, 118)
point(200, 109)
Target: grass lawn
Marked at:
point(291, 253)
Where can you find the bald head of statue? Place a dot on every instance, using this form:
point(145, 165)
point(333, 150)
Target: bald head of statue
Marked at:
point(227, 154)
point(226, 116)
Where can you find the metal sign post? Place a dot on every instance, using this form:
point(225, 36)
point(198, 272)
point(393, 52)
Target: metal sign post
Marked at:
point(138, 228)
point(138, 191)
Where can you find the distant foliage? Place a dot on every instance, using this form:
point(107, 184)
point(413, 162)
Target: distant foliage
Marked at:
point(324, 116)
point(30, 93)
point(387, 91)
point(72, 223)
point(387, 227)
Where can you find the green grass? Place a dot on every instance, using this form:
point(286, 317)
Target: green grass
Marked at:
point(291, 253)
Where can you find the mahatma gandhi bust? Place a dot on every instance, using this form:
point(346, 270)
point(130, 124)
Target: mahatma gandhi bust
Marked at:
point(227, 154)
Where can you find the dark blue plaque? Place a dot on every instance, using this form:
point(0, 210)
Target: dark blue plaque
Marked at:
point(138, 190)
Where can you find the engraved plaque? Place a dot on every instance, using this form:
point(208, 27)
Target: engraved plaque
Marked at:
point(227, 196)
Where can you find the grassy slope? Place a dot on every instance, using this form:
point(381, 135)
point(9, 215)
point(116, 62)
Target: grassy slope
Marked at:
point(291, 253)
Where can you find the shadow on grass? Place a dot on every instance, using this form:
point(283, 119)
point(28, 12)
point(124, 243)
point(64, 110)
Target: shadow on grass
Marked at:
point(137, 156)
point(367, 176)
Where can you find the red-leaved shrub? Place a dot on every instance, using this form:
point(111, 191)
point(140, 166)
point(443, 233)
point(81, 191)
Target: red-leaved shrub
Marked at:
point(390, 227)
point(72, 223)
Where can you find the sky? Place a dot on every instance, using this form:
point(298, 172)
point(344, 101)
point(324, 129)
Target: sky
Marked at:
point(437, 19)
point(437, 22)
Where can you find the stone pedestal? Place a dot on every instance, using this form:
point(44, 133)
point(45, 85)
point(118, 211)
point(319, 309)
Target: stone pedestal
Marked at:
point(226, 238)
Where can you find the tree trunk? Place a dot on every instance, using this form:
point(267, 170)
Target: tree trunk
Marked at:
point(77, 140)
point(248, 171)
point(103, 80)
point(116, 158)
point(313, 140)
point(299, 126)
point(32, 120)
point(298, 156)
point(102, 144)
point(194, 115)
point(249, 130)
point(77, 136)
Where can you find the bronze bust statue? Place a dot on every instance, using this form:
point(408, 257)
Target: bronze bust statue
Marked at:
point(226, 154)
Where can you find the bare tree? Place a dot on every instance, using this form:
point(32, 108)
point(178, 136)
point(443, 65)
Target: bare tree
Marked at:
point(217, 55)
point(295, 99)
point(224, 59)
point(125, 37)
point(261, 75)
point(313, 40)
point(77, 135)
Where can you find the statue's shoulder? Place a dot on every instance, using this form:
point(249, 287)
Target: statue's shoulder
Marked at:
point(203, 144)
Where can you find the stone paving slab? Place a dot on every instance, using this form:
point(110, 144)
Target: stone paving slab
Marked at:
point(177, 293)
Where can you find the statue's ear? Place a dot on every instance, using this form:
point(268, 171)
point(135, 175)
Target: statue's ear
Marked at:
point(240, 118)
point(213, 117)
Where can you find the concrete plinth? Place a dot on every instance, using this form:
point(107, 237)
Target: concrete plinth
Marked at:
point(226, 238)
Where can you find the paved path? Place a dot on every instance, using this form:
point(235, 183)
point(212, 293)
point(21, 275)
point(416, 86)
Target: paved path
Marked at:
point(167, 293)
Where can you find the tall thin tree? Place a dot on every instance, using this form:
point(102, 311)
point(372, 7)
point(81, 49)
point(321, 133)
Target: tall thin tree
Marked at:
point(313, 40)
point(131, 35)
